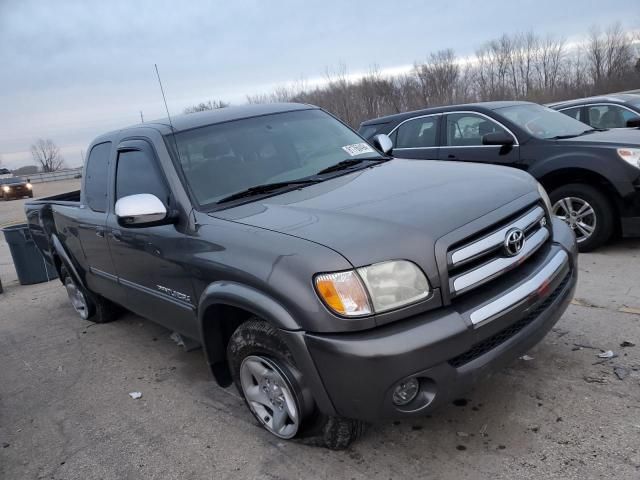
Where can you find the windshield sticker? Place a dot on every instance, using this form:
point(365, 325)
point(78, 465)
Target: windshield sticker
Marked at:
point(358, 149)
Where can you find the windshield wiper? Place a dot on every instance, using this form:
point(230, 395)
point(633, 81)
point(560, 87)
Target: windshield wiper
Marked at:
point(585, 132)
point(265, 188)
point(350, 162)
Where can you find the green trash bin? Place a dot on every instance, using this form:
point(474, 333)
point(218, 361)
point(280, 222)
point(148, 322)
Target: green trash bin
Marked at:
point(30, 264)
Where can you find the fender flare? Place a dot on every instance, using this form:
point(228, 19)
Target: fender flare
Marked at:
point(234, 294)
point(248, 298)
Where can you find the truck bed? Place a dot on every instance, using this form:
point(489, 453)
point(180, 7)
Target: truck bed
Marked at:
point(44, 214)
point(66, 198)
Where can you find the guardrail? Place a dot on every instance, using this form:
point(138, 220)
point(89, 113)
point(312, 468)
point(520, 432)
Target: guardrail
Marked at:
point(54, 176)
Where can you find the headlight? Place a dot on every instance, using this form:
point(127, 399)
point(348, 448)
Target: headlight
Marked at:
point(545, 197)
point(6, 188)
point(29, 186)
point(389, 285)
point(630, 155)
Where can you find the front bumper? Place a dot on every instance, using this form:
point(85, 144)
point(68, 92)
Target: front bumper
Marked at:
point(449, 349)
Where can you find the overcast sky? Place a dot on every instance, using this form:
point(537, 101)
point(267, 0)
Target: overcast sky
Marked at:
point(72, 70)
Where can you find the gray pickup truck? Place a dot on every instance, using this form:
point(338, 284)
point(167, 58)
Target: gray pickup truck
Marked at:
point(333, 284)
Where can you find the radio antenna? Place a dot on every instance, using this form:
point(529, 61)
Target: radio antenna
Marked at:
point(163, 97)
point(173, 132)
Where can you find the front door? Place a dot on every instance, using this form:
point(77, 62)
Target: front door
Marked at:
point(462, 140)
point(150, 260)
point(92, 215)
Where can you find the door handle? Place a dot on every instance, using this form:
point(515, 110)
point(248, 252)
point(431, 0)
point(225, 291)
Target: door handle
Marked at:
point(116, 235)
point(451, 156)
point(100, 232)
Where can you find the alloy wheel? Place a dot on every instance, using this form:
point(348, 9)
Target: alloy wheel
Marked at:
point(578, 214)
point(270, 396)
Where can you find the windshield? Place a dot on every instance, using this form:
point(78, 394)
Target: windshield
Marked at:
point(542, 122)
point(12, 180)
point(223, 159)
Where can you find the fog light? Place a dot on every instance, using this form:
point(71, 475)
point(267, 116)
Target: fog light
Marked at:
point(406, 391)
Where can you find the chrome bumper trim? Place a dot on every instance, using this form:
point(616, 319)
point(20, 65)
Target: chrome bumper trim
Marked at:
point(521, 293)
point(500, 265)
point(495, 239)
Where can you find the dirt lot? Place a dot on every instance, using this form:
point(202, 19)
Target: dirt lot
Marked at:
point(65, 412)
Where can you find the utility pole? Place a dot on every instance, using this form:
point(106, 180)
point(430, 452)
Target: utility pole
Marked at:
point(141, 117)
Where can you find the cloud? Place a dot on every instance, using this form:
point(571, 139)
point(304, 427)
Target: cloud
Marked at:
point(72, 70)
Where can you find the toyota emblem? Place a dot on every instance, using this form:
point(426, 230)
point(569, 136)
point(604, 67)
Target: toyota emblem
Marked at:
point(513, 242)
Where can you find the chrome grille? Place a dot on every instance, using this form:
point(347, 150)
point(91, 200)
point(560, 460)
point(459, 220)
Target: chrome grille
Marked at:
point(482, 259)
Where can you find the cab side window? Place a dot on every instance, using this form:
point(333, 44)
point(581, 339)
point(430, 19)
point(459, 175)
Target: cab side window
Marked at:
point(137, 172)
point(96, 176)
point(608, 116)
point(417, 133)
point(467, 129)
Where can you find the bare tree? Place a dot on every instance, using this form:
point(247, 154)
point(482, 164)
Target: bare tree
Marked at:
point(439, 78)
point(522, 66)
point(47, 155)
point(609, 55)
point(205, 106)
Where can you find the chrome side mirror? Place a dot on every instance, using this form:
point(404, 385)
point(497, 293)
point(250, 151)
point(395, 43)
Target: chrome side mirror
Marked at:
point(140, 209)
point(382, 142)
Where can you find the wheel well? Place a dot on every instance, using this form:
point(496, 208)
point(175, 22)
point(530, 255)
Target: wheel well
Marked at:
point(558, 178)
point(219, 321)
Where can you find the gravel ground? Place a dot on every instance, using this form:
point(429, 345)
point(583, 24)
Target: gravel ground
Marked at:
point(65, 412)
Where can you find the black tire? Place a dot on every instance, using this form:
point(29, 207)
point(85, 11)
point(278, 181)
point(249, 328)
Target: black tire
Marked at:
point(99, 309)
point(256, 337)
point(604, 212)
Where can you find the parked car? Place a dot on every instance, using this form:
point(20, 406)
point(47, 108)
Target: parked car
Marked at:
point(619, 110)
point(592, 176)
point(15, 187)
point(330, 282)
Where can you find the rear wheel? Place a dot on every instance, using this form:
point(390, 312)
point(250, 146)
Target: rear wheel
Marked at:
point(89, 305)
point(587, 211)
point(266, 376)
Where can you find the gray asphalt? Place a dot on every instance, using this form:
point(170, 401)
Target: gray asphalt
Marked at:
point(65, 412)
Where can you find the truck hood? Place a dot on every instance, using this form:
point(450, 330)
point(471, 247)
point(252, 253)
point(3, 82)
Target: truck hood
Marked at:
point(397, 209)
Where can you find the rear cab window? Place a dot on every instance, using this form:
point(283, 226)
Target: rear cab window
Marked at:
point(96, 177)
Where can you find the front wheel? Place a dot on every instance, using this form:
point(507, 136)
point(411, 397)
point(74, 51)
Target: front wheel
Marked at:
point(587, 211)
point(266, 376)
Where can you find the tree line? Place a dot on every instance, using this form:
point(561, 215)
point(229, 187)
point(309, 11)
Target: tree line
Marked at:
point(523, 66)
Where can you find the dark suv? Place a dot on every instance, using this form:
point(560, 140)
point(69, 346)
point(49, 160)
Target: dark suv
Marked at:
point(15, 187)
point(592, 175)
point(611, 111)
point(330, 282)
